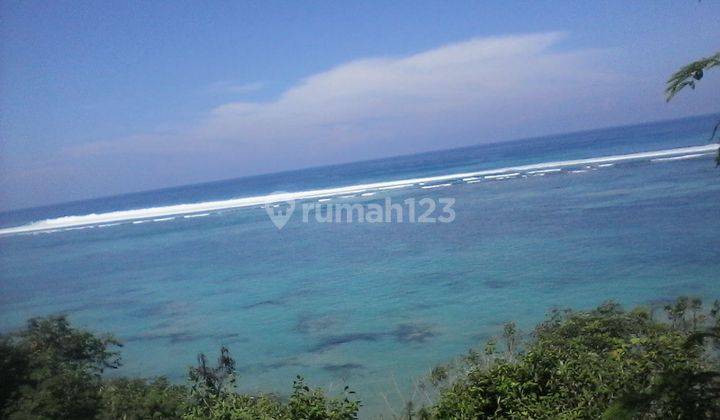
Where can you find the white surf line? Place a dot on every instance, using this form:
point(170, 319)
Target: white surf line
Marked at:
point(427, 187)
point(109, 224)
point(183, 209)
point(191, 216)
point(502, 176)
point(544, 171)
point(692, 156)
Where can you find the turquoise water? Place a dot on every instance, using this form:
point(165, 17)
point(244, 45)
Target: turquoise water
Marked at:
point(369, 304)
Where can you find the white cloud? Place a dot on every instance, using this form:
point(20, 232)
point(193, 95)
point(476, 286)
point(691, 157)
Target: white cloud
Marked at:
point(485, 81)
point(470, 92)
point(478, 90)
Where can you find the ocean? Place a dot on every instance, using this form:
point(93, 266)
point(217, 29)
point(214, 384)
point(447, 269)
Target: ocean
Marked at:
point(626, 213)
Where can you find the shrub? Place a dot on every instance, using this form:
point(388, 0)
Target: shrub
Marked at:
point(134, 399)
point(54, 370)
point(591, 364)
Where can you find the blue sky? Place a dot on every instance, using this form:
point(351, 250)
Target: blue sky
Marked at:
point(99, 98)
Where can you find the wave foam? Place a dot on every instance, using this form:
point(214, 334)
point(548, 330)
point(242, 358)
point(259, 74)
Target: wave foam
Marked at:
point(503, 176)
point(427, 187)
point(683, 157)
point(192, 216)
point(544, 171)
point(202, 209)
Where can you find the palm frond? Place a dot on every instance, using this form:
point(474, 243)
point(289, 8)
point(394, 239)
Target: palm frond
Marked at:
point(690, 74)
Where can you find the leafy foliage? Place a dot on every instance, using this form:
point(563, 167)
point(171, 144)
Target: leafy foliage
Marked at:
point(688, 76)
point(605, 363)
point(238, 407)
point(54, 370)
point(213, 396)
point(311, 404)
point(128, 399)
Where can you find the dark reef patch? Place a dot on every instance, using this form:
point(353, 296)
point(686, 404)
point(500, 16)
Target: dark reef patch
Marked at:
point(660, 302)
point(496, 284)
point(230, 338)
point(404, 333)
point(309, 325)
point(164, 308)
point(343, 370)
point(105, 304)
point(149, 311)
point(412, 333)
point(268, 302)
point(342, 367)
point(171, 337)
point(175, 338)
point(332, 341)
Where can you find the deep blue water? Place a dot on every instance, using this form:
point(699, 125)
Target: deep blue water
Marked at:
point(367, 304)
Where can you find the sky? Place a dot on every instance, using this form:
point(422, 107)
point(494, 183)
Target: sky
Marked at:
point(100, 98)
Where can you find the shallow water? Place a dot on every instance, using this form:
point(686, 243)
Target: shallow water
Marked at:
point(366, 304)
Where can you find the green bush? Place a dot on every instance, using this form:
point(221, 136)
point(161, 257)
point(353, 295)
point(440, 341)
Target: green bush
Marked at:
point(213, 396)
point(238, 407)
point(604, 362)
point(51, 370)
point(134, 399)
point(54, 370)
point(305, 403)
point(312, 404)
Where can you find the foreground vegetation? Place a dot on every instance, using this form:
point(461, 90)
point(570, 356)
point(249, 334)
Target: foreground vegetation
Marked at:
point(605, 363)
point(52, 370)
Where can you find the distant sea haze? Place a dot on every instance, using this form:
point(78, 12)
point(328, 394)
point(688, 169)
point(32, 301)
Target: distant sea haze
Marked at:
point(450, 164)
point(628, 214)
point(191, 210)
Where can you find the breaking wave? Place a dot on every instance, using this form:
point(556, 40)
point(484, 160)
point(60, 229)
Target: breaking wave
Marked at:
point(192, 210)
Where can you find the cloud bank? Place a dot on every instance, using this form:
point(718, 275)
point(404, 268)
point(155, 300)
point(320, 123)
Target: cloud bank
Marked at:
point(479, 90)
point(456, 94)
